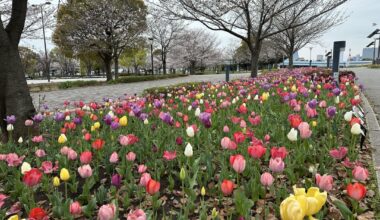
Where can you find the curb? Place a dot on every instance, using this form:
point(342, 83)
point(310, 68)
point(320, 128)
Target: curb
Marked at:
point(374, 135)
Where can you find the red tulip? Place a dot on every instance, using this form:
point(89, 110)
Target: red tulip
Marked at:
point(98, 144)
point(32, 177)
point(256, 151)
point(295, 120)
point(38, 214)
point(227, 187)
point(239, 137)
point(237, 162)
point(170, 155)
point(152, 186)
point(356, 191)
point(280, 152)
point(86, 157)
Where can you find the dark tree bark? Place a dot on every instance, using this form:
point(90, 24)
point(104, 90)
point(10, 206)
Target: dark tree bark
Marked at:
point(107, 60)
point(163, 57)
point(116, 62)
point(15, 98)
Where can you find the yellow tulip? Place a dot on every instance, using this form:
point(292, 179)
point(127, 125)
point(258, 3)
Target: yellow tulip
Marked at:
point(294, 88)
point(203, 191)
point(314, 123)
point(62, 139)
point(13, 217)
point(97, 125)
point(93, 128)
point(302, 203)
point(123, 121)
point(265, 96)
point(64, 174)
point(56, 181)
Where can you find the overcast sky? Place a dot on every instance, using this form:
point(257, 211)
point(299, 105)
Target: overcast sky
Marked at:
point(359, 24)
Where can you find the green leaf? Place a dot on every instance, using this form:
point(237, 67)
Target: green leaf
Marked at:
point(344, 210)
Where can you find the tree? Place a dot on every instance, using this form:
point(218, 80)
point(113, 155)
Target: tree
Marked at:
point(104, 27)
point(134, 57)
point(29, 60)
point(66, 64)
point(293, 39)
point(194, 48)
point(164, 32)
point(250, 20)
point(15, 98)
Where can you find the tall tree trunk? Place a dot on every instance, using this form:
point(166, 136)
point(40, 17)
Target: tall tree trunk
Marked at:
point(291, 60)
point(116, 61)
point(15, 98)
point(163, 62)
point(255, 55)
point(107, 59)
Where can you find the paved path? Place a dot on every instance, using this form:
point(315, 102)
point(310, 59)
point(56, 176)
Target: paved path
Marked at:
point(44, 81)
point(55, 99)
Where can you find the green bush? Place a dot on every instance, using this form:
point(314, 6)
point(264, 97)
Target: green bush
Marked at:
point(78, 83)
point(374, 66)
point(130, 79)
point(156, 91)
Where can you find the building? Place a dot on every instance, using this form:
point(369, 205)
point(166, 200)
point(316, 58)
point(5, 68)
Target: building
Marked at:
point(320, 57)
point(368, 53)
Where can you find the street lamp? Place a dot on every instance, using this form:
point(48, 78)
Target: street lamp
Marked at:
point(311, 48)
point(47, 71)
point(374, 49)
point(377, 31)
point(151, 53)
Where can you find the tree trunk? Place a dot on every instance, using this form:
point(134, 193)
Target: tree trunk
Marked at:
point(164, 62)
point(15, 98)
point(116, 61)
point(107, 59)
point(255, 55)
point(291, 60)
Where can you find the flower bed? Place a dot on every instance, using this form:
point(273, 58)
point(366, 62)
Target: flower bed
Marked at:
point(285, 145)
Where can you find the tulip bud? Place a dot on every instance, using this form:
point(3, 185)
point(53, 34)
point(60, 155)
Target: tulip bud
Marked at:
point(190, 131)
point(20, 140)
point(214, 213)
point(182, 174)
point(356, 130)
point(146, 122)
point(123, 121)
point(64, 174)
point(56, 181)
point(292, 135)
point(62, 139)
point(25, 167)
point(348, 116)
point(10, 127)
point(188, 150)
point(203, 191)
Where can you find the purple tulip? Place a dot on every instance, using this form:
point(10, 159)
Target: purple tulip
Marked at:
point(115, 125)
point(205, 118)
point(157, 103)
point(107, 119)
point(331, 111)
point(10, 119)
point(167, 118)
point(292, 95)
point(38, 118)
point(313, 104)
point(59, 116)
point(336, 91)
point(116, 180)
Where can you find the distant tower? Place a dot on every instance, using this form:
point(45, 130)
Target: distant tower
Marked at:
point(349, 55)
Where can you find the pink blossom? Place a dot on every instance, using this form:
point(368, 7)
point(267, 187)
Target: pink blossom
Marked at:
point(323, 104)
point(64, 150)
point(277, 165)
point(85, 171)
point(114, 158)
point(169, 155)
point(360, 173)
point(137, 214)
point(47, 167)
point(339, 153)
point(14, 160)
point(142, 168)
point(2, 198)
point(107, 212)
point(226, 129)
point(227, 143)
point(40, 153)
point(71, 154)
point(130, 156)
point(304, 129)
point(266, 179)
point(324, 182)
point(144, 179)
point(37, 139)
point(311, 113)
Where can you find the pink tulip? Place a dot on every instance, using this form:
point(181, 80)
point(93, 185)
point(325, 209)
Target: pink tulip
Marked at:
point(243, 124)
point(130, 156)
point(267, 138)
point(360, 173)
point(137, 214)
point(37, 139)
point(85, 171)
point(28, 123)
point(75, 208)
point(71, 154)
point(86, 157)
point(304, 129)
point(227, 143)
point(144, 179)
point(238, 163)
point(277, 165)
point(107, 212)
point(324, 182)
point(65, 150)
point(226, 129)
point(47, 167)
point(339, 153)
point(141, 168)
point(297, 108)
point(311, 113)
point(266, 179)
point(124, 140)
point(114, 158)
point(2, 198)
point(3, 157)
point(323, 104)
point(40, 153)
point(14, 160)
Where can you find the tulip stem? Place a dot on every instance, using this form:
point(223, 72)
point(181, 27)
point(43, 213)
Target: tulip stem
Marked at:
point(66, 190)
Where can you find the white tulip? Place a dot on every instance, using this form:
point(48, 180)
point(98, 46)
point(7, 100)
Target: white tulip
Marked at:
point(249, 97)
point(201, 101)
point(292, 135)
point(256, 97)
point(146, 121)
point(233, 101)
point(10, 127)
point(189, 108)
point(337, 100)
point(20, 140)
point(188, 150)
point(67, 118)
point(25, 167)
point(110, 113)
point(190, 131)
point(197, 112)
point(356, 130)
point(348, 116)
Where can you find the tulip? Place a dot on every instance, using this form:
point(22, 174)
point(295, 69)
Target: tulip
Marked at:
point(2, 198)
point(227, 143)
point(276, 165)
point(71, 154)
point(256, 151)
point(190, 131)
point(107, 212)
point(239, 137)
point(56, 181)
point(302, 204)
point(123, 121)
point(114, 158)
point(142, 168)
point(356, 191)
point(137, 214)
point(292, 135)
point(182, 174)
point(144, 179)
point(227, 187)
point(20, 140)
point(85, 171)
point(116, 180)
point(295, 120)
point(304, 129)
point(348, 116)
point(98, 144)
point(130, 156)
point(188, 150)
point(237, 162)
point(85, 157)
point(29, 123)
point(324, 182)
point(25, 167)
point(214, 213)
point(38, 214)
point(169, 155)
point(226, 129)
point(75, 208)
point(339, 153)
point(32, 177)
point(356, 129)
point(10, 127)
point(203, 191)
point(64, 174)
point(152, 187)
point(40, 153)
point(278, 152)
point(62, 139)
point(266, 179)
point(360, 173)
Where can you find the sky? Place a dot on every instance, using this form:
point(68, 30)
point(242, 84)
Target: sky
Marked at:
point(362, 14)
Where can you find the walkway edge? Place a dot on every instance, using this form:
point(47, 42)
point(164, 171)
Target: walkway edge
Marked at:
point(374, 135)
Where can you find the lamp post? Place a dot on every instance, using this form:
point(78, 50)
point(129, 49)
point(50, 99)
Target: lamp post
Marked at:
point(151, 53)
point(47, 71)
point(377, 31)
point(311, 49)
point(328, 57)
point(374, 50)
